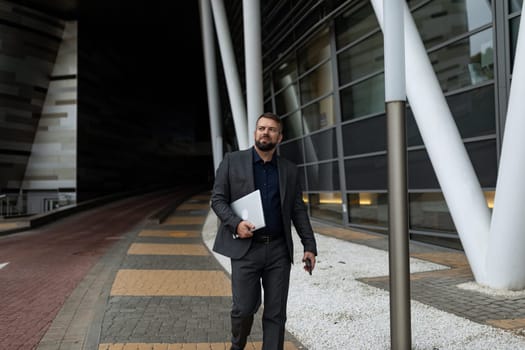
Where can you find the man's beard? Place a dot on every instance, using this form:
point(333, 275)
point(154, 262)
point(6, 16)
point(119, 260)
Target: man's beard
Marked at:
point(265, 146)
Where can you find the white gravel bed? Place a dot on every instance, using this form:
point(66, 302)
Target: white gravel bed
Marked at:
point(332, 310)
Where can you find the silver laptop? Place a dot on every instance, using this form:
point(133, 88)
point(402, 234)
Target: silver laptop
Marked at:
point(250, 208)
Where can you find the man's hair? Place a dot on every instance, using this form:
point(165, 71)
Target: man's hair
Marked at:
point(271, 116)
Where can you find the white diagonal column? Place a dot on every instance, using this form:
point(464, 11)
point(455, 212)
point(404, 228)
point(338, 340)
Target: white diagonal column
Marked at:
point(230, 72)
point(506, 252)
point(445, 148)
point(253, 57)
point(211, 81)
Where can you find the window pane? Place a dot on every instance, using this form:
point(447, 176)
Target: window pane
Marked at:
point(268, 107)
point(473, 111)
point(302, 178)
point(319, 115)
point(292, 151)
point(292, 127)
point(368, 208)
point(317, 51)
point(413, 135)
point(365, 98)
point(429, 211)
point(321, 146)
point(287, 100)
point(420, 172)
point(317, 83)
point(366, 173)
point(515, 5)
point(355, 23)
point(514, 28)
point(285, 74)
point(365, 136)
point(362, 59)
point(323, 177)
point(442, 20)
point(465, 62)
point(267, 87)
point(326, 206)
point(483, 156)
point(412, 3)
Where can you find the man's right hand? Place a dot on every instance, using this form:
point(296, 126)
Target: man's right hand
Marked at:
point(245, 229)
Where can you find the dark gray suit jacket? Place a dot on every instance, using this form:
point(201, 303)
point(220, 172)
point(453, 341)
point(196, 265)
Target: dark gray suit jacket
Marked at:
point(233, 180)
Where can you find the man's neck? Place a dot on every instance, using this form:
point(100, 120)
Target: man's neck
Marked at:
point(266, 156)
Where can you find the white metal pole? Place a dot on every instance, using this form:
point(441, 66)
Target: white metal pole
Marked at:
point(253, 57)
point(445, 148)
point(506, 252)
point(394, 46)
point(230, 71)
point(208, 44)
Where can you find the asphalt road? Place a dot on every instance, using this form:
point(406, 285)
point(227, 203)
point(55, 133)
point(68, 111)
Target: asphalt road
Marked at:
point(39, 268)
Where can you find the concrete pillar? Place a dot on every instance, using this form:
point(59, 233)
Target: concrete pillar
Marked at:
point(212, 88)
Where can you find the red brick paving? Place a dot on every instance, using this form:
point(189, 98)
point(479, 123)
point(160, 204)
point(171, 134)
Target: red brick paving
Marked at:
point(46, 264)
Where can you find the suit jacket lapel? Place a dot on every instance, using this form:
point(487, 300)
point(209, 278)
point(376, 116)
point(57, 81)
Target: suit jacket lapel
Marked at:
point(282, 180)
point(248, 168)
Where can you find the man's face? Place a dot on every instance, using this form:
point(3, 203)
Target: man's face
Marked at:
point(267, 134)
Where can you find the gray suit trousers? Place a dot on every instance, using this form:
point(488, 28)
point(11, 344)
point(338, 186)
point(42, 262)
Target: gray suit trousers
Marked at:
point(267, 264)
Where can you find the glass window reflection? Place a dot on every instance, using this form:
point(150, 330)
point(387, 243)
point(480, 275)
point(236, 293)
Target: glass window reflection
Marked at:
point(429, 211)
point(361, 60)
point(368, 208)
point(317, 51)
point(515, 5)
point(287, 100)
point(319, 115)
point(364, 98)
point(292, 126)
point(442, 20)
point(267, 88)
point(326, 206)
point(321, 146)
point(285, 74)
point(292, 151)
point(465, 62)
point(368, 172)
point(355, 23)
point(317, 83)
point(365, 136)
point(323, 177)
point(474, 111)
point(268, 107)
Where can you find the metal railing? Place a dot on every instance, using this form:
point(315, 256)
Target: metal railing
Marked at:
point(10, 205)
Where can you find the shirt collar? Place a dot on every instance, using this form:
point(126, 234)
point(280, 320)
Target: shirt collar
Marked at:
point(257, 158)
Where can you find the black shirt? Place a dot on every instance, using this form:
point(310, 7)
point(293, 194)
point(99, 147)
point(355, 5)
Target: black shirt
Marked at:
point(266, 177)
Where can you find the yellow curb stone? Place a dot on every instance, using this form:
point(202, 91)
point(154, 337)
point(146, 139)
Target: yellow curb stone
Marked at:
point(167, 249)
point(8, 225)
point(171, 283)
point(508, 324)
point(345, 234)
point(184, 220)
point(444, 258)
point(169, 233)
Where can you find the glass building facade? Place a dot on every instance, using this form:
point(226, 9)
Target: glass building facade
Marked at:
point(324, 75)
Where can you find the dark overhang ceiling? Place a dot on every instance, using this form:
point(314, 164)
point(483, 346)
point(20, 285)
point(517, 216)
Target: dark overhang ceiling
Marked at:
point(64, 9)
